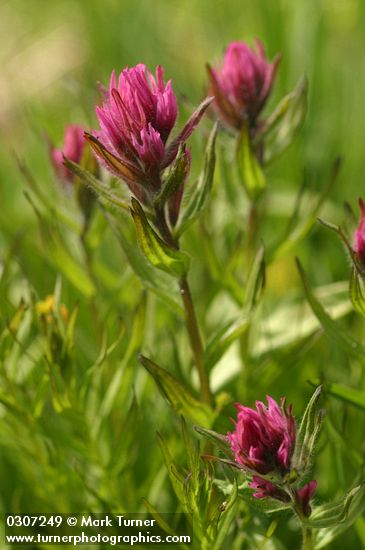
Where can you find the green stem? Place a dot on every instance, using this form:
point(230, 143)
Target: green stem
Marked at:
point(196, 342)
point(307, 538)
point(307, 542)
point(190, 316)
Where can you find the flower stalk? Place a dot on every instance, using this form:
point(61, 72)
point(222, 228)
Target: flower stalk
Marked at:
point(191, 321)
point(195, 341)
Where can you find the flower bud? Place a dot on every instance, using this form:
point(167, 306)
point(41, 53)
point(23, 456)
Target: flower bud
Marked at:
point(242, 85)
point(305, 495)
point(359, 236)
point(76, 149)
point(266, 489)
point(73, 149)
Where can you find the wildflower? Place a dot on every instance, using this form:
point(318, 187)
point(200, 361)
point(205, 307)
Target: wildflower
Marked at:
point(264, 439)
point(305, 495)
point(76, 149)
point(266, 489)
point(47, 309)
point(139, 112)
point(73, 149)
point(242, 85)
point(359, 235)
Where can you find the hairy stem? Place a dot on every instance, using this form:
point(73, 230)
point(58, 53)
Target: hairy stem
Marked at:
point(307, 541)
point(196, 342)
point(307, 538)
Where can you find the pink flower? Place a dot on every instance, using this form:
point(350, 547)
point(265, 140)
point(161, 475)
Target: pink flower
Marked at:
point(305, 495)
point(138, 114)
point(264, 439)
point(359, 235)
point(266, 489)
point(242, 85)
point(73, 149)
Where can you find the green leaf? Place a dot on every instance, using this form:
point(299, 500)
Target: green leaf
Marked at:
point(228, 515)
point(176, 476)
point(277, 329)
point(175, 178)
point(101, 190)
point(199, 197)
point(221, 341)
point(218, 439)
point(267, 505)
point(179, 397)
point(60, 257)
point(308, 433)
point(303, 223)
point(158, 253)
point(60, 397)
point(338, 230)
point(248, 166)
point(120, 374)
point(282, 126)
point(355, 508)
point(161, 283)
point(159, 519)
point(192, 451)
point(256, 280)
point(349, 395)
point(120, 458)
point(333, 330)
point(50, 205)
point(69, 267)
point(333, 513)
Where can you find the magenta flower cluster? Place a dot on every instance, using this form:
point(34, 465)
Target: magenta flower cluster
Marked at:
point(263, 442)
point(73, 149)
point(359, 235)
point(139, 112)
point(242, 85)
point(138, 116)
point(264, 439)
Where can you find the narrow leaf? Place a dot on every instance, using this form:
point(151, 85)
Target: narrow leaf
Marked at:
point(200, 195)
point(227, 517)
point(175, 178)
point(179, 397)
point(308, 432)
point(349, 395)
point(219, 439)
point(158, 253)
point(282, 126)
point(256, 280)
point(352, 507)
point(331, 514)
point(96, 185)
point(333, 330)
point(161, 283)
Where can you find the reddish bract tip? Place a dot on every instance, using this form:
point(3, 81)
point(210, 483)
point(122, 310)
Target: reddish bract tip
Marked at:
point(73, 149)
point(305, 495)
point(359, 234)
